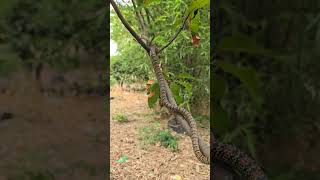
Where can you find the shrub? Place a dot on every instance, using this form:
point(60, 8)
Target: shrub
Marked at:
point(153, 133)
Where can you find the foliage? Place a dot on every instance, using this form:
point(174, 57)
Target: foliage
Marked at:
point(153, 133)
point(53, 31)
point(265, 80)
point(186, 66)
point(120, 118)
point(9, 61)
point(122, 159)
point(154, 94)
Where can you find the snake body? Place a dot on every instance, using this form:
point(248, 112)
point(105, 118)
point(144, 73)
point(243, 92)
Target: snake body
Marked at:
point(221, 152)
point(239, 161)
point(176, 109)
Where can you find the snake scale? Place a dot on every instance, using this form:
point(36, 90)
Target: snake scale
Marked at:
point(221, 152)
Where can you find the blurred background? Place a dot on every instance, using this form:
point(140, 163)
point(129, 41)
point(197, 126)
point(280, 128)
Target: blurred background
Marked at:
point(53, 80)
point(266, 83)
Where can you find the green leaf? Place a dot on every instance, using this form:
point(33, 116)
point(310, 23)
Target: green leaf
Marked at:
point(250, 142)
point(154, 88)
point(195, 22)
point(220, 119)
point(240, 43)
point(148, 2)
point(186, 85)
point(248, 77)
point(175, 89)
point(219, 87)
point(122, 159)
point(185, 76)
point(196, 4)
point(5, 5)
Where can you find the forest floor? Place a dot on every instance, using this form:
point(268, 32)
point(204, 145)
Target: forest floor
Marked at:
point(155, 162)
point(52, 137)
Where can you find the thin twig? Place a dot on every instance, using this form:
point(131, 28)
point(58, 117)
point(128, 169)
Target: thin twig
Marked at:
point(138, 16)
point(176, 35)
point(148, 16)
point(126, 24)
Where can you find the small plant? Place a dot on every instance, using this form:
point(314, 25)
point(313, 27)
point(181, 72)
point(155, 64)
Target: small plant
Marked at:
point(153, 133)
point(120, 118)
point(167, 140)
point(122, 159)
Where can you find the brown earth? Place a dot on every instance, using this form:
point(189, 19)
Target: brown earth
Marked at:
point(59, 138)
point(156, 162)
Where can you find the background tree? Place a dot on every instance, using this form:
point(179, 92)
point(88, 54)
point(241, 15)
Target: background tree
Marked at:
point(186, 67)
point(266, 83)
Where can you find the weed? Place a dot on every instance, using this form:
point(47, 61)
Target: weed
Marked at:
point(120, 118)
point(153, 133)
point(122, 159)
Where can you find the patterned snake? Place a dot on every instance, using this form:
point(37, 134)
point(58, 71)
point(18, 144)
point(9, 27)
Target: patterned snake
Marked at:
point(222, 153)
point(176, 109)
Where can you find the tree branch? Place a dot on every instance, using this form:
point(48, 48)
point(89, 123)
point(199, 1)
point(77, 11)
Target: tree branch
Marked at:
point(126, 24)
point(176, 35)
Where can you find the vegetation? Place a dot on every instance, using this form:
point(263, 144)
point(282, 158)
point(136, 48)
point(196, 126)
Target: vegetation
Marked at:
point(266, 82)
point(51, 32)
point(120, 118)
point(152, 134)
point(186, 66)
point(55, 33)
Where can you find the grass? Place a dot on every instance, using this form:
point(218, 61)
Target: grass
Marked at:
point(120, 118)
point(152, 134)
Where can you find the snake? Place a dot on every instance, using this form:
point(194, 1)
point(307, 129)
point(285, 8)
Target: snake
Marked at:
point(176, 109)
point(223, 153)
point(229, 155)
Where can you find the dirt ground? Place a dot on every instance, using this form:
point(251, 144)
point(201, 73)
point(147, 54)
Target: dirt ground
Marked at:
point(59, 138)
point(156, 162)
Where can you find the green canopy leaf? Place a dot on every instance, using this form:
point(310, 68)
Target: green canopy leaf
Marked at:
point(240, 43)
point(155, 90)
point(196, 4)
point(220, 119)
point(248, 77)
point(219, 87)
point(175, 89)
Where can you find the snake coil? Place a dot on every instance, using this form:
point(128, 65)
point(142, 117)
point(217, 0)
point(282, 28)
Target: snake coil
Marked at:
point(176, 109)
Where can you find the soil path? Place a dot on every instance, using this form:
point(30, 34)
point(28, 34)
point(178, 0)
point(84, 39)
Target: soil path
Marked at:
point(156, 163)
